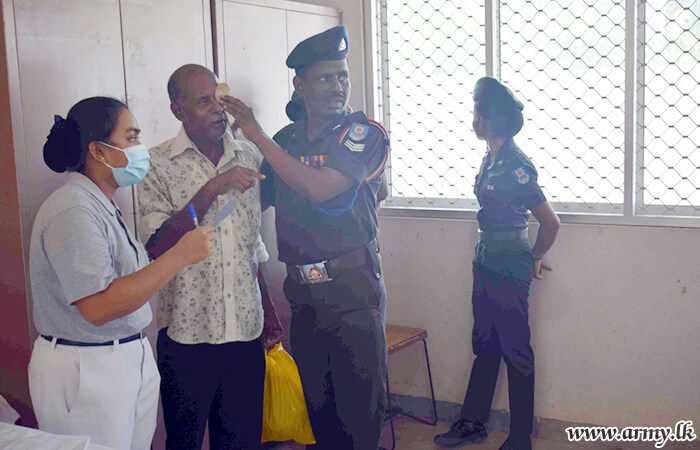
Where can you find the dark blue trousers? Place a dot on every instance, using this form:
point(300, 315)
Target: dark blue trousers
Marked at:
point(501, 330)
point(219, 383)
point(338, 341)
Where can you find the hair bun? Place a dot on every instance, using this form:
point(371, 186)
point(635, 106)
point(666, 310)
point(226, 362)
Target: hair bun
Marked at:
point(515, 124)
point(58, 143)
point(296, 109)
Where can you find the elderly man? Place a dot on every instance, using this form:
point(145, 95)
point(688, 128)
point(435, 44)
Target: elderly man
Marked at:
point(323, 177)
point(210, 317)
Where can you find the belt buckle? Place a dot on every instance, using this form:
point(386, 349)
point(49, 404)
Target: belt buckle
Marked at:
point(314, 273)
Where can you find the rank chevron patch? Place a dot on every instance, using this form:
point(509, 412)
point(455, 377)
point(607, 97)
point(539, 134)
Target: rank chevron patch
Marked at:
point(354, 146)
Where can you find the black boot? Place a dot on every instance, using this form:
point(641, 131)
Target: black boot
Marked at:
point(462, 432)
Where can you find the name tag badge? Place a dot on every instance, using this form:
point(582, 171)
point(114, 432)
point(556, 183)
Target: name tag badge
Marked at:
point(314, 273)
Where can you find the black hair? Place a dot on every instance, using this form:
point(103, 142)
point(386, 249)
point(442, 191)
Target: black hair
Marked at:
point(296, 108)
point(91, 119)
point(173, 89)
point(497, 104)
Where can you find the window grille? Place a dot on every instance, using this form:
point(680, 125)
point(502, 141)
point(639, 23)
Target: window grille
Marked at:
point(669, 108)
point(569, 62)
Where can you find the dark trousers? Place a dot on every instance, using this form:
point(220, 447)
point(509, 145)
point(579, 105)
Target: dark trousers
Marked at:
point(339, 344)
point(501, 330)
point(221, 383)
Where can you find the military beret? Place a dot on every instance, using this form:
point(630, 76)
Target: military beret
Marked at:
point(331, 45)
point(499, 105)
point(491, 90)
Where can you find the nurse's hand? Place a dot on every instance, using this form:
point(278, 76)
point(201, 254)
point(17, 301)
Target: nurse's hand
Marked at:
point(538, 269)
point(197, 244)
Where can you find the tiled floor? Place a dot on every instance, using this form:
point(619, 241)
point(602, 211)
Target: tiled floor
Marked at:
point(411, 435)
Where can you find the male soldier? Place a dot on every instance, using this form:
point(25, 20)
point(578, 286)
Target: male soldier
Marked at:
point(323, 175)
point(210, 317)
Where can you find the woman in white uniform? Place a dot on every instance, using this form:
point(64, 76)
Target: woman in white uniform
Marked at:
point(92, 370)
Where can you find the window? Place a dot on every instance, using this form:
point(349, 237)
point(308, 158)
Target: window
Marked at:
point(612, 99)
point(669, 107)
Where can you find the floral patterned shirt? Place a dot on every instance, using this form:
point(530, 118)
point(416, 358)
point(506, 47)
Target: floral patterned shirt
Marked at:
point(216, 300)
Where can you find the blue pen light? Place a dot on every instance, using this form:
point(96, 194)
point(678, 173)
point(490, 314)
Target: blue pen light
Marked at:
point(193, 214)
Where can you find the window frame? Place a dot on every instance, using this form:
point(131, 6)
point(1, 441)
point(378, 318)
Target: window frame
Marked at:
point(632, 211)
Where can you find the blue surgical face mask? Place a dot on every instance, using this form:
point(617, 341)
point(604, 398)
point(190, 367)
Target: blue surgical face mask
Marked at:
point(136, 168)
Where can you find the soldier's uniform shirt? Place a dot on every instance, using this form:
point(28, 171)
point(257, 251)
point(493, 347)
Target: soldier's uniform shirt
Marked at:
point(308, 232)
point(506, 190)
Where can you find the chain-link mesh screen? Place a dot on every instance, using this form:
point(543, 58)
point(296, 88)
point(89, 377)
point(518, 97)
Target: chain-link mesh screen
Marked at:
point(565, 59)
point(433, 54)
point(670, 162)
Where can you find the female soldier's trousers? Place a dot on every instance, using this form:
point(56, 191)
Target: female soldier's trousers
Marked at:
point(501, 330)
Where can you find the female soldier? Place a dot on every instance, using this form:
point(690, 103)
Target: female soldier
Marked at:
point(504, 264)
point(91, 370)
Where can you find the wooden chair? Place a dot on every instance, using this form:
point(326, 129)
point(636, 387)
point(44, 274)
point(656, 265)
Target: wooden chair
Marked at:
point(398, 338)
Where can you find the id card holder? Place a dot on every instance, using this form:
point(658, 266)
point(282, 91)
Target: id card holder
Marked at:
point(314, 273)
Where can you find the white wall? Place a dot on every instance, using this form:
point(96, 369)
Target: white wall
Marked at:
point(614, 325)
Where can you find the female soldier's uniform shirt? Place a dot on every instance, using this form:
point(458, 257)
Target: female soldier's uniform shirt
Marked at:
point(79, 245)
point(506, 190)
point(308, 233)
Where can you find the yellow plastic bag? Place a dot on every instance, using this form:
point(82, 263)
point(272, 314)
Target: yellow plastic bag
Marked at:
point(285, 417)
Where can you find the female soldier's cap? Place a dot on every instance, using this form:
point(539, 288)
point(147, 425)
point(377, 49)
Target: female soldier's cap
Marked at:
point(491, 90)
point(499, 105)
point(331, 45)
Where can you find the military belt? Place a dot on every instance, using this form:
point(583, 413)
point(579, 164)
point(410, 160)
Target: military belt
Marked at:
point(324, 271)
point(503, 235)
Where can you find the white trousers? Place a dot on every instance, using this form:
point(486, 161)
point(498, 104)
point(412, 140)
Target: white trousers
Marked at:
point(108, 393)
